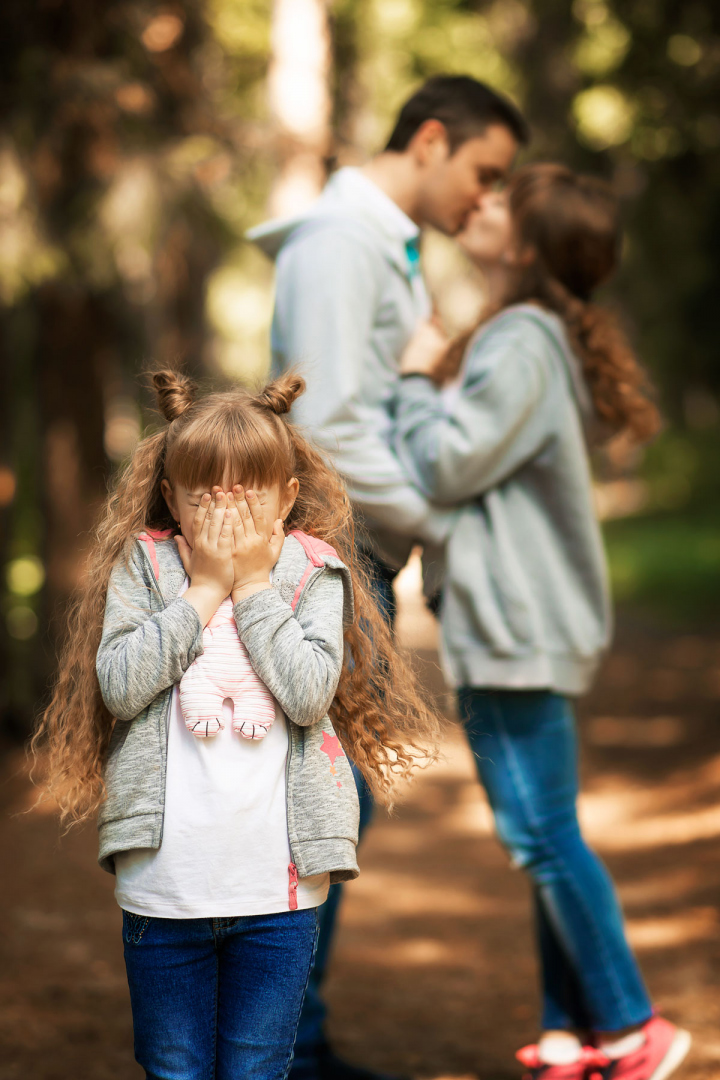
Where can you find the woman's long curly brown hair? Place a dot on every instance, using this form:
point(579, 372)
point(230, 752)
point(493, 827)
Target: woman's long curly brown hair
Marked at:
point(571, 225)
point(379, 713)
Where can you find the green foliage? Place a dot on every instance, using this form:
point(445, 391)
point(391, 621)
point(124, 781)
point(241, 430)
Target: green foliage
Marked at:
point(668, 565)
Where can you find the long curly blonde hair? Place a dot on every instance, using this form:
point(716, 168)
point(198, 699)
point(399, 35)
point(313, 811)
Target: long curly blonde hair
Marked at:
point(379, 712)
point(571, 224)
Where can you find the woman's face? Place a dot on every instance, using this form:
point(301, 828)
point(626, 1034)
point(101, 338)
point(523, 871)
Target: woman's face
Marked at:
point(488, 238)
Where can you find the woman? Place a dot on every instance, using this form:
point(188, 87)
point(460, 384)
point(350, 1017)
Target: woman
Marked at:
point(525, 612)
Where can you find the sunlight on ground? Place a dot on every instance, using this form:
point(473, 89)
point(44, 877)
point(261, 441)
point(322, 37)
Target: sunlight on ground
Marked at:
point(619, 818)
point(407, 895)
point(416, 627)
point(696, 924)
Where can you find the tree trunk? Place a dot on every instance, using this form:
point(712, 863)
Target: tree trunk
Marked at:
point(300, 101)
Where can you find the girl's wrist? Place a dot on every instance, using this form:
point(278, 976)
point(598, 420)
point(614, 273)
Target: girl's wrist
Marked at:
point(206, 599)
point(247, 588)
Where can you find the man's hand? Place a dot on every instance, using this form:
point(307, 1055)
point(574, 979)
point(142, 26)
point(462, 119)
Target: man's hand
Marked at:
point(425, 350)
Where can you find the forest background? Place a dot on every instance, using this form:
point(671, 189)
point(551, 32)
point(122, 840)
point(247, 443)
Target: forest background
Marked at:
point(140, 140)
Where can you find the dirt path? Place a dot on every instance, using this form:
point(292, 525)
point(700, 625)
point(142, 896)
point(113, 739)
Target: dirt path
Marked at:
point(434, 972)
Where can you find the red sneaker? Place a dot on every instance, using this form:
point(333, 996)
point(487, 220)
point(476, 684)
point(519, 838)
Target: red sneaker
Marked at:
point(539, 1070)
point(664, 1049)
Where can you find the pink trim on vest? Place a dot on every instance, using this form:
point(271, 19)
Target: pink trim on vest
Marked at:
point(293, 887)
point(149, 538)
point(317, 551)
point(301, 585)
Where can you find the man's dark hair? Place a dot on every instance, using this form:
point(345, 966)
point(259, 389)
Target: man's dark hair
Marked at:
point(463, 105)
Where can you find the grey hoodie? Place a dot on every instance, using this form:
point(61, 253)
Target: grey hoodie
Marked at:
point(347, 299)
point(151, 636)
point(526, 600)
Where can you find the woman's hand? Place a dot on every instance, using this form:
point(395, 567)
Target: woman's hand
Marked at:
point(256, 546)
point(208, 563)
point(425, 350)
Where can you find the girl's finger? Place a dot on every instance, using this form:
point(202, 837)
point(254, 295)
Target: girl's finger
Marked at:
point(238, 528)
point(226, 529)
point(256, 512)
point(234, 498)
point(244, 511)
point(216, 518)
point(209, 515)
point(200, 521)
point(184, 551)
point(277, 539)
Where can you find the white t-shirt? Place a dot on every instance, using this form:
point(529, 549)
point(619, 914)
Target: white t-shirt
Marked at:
point(225, 848)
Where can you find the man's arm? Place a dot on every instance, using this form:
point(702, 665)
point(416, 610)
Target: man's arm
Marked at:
point(329, 289)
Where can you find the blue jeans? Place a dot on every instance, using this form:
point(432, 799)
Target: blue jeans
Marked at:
point(311, 1030)
point(525, 749)
point(218, 999)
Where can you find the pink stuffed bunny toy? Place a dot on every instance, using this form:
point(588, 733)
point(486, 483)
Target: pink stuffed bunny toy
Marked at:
point(224, 671)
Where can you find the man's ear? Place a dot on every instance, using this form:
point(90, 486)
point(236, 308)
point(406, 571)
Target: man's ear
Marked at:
point(169, 497)
point(289, 496)
point(430, 142)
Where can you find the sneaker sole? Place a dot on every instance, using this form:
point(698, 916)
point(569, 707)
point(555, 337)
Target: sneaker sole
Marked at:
point(676, 1054)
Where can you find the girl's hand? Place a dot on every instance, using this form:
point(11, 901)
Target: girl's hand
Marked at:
point(256, 547)
point(425, 350)
point(208, 563)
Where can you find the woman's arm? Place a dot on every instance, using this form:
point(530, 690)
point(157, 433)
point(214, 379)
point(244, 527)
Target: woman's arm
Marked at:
point(142, 652)
point(501, 417)
point(298, 659)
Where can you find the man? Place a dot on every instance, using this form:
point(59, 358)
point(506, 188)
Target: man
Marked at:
point(349, 294)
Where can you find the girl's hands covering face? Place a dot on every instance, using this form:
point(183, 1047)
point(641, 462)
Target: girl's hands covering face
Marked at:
point(208, 563)
point(257, 543)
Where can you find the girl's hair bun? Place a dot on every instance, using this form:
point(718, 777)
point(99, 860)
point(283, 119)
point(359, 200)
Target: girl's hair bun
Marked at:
point(279, 395)
point(175, 393)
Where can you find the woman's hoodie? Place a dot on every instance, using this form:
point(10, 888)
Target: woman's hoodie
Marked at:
point(525, 603)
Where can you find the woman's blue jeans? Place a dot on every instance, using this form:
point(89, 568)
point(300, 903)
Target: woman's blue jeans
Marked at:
point(218, 999)
point(525, 748)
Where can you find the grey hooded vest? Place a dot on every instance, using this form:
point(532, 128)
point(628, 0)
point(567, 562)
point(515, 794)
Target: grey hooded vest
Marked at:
point(294, 636)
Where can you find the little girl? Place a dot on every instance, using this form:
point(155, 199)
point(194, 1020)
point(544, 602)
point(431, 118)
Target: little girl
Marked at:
point(224, 846)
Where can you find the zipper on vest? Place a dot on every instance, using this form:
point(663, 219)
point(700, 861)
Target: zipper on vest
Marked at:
point(293, 886)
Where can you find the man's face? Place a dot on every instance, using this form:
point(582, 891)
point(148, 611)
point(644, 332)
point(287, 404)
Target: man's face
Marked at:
point(452, 185)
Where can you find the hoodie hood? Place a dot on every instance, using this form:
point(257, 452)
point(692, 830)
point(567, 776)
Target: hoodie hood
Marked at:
point(595, 429)
point(553, 325)
point(350, 202)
